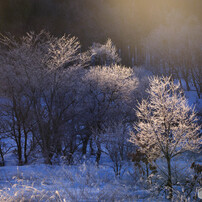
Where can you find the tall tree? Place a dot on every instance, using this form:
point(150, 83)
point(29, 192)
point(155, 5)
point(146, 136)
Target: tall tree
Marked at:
point(166, 125)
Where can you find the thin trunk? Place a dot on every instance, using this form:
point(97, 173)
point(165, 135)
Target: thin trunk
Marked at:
point(85, 143)
point(25, 144)
point(195, 84)
point(91, 147)
point(25, 148)
point(98, 153)
point(185, 75)
point(147, 170)
point(169, 182)
point(187, 84)
point(46, 149)
point(2, 157)
point(19, 149)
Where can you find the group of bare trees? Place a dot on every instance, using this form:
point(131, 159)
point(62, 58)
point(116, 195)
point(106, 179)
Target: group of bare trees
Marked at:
point(52, 100)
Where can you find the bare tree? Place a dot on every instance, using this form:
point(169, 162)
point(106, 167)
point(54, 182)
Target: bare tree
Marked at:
point(16, 107)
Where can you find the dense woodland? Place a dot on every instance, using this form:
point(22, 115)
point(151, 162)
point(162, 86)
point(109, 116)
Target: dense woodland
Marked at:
point(86, 79)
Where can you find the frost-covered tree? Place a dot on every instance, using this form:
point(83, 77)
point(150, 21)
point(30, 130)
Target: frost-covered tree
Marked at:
point(104, 54)
point(40, 77)
point(166, 125)
point(108, 98)
point(17, 62)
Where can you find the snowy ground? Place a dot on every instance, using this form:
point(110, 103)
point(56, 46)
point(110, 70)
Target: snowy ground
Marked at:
point(66, 183)
point(193, 99)
point(85, 182)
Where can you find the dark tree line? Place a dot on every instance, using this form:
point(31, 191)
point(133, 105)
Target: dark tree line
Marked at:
point(126, 22)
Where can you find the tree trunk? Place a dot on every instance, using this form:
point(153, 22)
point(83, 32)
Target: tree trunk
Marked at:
point(25, 147)
point(85, 143)
point(91, 147)
point(195, 84)
point(147, 170)
point(185, 74)
point(2, 157)
point(169, 182)
point(19, 155)
point(19, 148)
point(47, 153)
point(98, 153)
point(187, 84)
